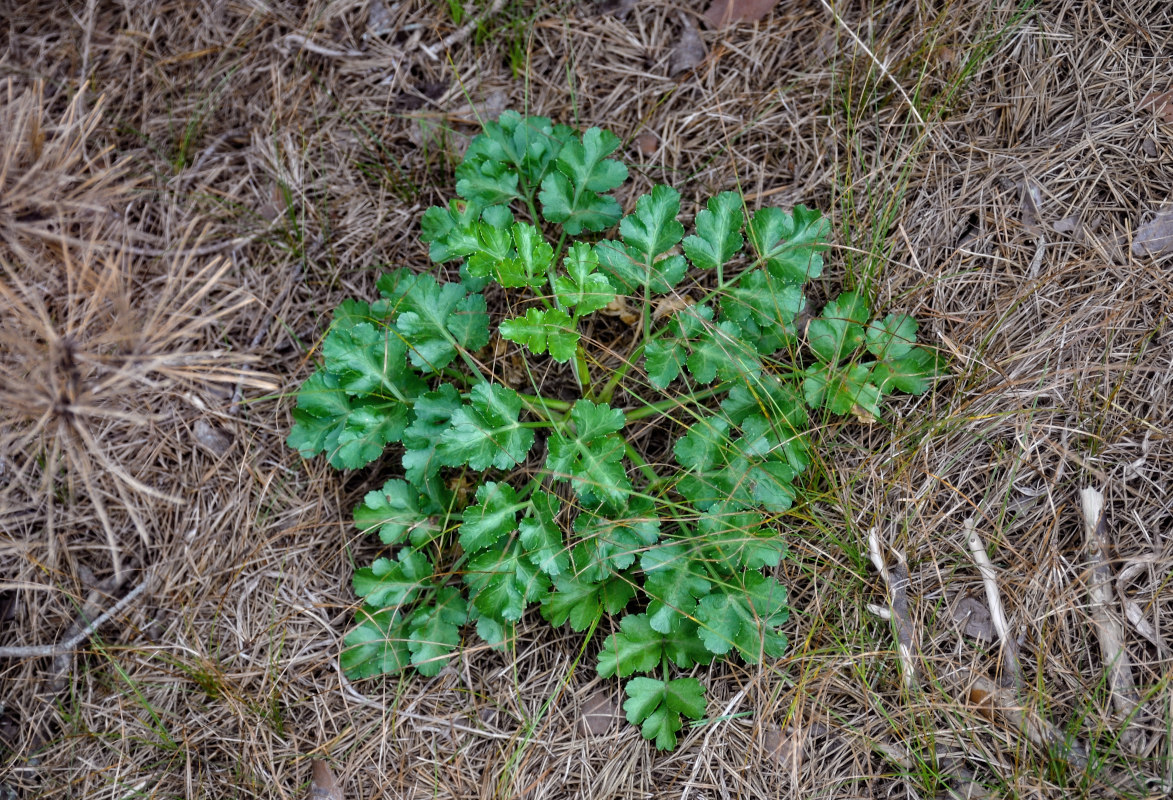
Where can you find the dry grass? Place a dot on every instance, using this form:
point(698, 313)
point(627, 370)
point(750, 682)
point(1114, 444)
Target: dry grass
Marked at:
point(186, 188)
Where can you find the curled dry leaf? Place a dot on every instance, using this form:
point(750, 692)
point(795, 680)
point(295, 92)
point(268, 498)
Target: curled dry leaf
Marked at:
point(1155, 237)
point(972, 616)
point(619, 308)
point(1160, 103)
point(1030, 205)
point(599, 713)
point(647, 143)
point(213, 438)
point(723, 12)
point(785, 746)
point(689, 50)
point(323, 784)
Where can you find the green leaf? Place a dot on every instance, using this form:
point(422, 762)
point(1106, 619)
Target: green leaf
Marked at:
point(843, 390)
point(435, 630)
point(502, 583)
point(421, 439)
point(639, 647)
point(581, 601)
point(494, 243)
point(838, 331)
point(451, 232)
point(570, 195)
point(487, 432)
point(790, 244)
point(534, 255)
point(582, 288)
point(701, 448)
point(377, 645)
point(486, 182)
point(322, 409)
point(395, 512)
point(393, 583)
point(543, 328)
point(663, 360)
point(912, 373)
point(648, 233)
point(892, 338)
point(514, 254)
point(541, 535)
point(765, 309)
point(718, 232)
point(657, 706)
point(352, 432)
point(610, 545)
point(592, 460)
point(636, 648)
point(366, 360)
point(525, 145)
point(494, 516)
point(723, 351)
point(734, 541)
point(744, 617)
point(778, 408)
point(437, 319)
point(674, 584)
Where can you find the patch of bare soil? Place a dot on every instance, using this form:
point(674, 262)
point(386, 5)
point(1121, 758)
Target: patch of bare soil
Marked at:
point(187, 189)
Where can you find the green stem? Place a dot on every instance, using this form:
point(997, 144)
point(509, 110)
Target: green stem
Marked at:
point(612, 384)
point(582, 372)
point(541, 406)
point(666, 405)
point(640, 464)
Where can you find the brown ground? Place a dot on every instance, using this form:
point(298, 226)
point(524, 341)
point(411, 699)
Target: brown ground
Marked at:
point(186, 190)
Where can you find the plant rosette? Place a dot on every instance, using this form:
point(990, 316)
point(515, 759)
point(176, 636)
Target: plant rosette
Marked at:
point(571, 514)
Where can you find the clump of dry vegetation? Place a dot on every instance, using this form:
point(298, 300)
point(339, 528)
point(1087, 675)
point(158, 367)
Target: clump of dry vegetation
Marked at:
point(186, 189)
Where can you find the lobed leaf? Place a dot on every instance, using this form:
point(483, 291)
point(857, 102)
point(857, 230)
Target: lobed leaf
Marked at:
point(718, 232)
point(502, 582)
point(393, 583)
point(435, 630)
point(790, 244)
point(487, 432)
point(765, 309)
point(744, 615)
point(648, 233)
point(674, 582)
point(582, 288)
point(544, 329)
point(377, 645)
point(421, 440)
point(592, 459)
point(657, 706)
point(395, 512)
point(541, 535)
point(494, 516)
point(570, 195)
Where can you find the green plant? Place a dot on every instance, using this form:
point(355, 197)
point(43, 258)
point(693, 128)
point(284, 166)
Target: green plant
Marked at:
point(572, 511)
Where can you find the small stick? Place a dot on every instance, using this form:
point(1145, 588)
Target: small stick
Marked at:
point(463, 33)
point(896, 580)
point(977, 549)
point(67, 646)
point(1109, 631)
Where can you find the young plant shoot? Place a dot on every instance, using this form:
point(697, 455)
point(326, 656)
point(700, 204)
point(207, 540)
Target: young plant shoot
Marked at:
point(574, 510)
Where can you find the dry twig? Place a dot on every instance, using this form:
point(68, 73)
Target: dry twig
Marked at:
point(896, 579)
point(977, 549)
point(1109, 631)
